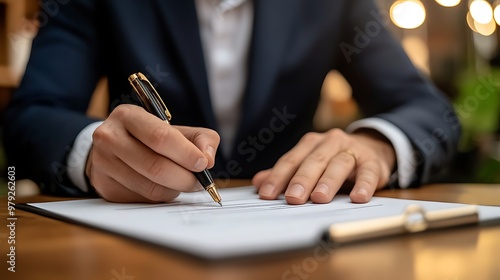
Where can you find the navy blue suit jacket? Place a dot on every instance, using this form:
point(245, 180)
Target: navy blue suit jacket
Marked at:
point(295, 43)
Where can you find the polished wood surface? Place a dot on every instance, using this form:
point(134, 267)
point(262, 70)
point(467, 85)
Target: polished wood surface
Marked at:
point(52, 249)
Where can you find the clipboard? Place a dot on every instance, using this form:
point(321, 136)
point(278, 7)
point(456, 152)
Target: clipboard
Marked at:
point(248, 225)
point(414, 219)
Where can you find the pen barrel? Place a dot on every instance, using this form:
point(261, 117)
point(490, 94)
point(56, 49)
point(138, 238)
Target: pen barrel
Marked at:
point(205, 178)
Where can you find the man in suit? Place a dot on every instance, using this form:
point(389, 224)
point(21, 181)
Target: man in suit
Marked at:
point(246, 73)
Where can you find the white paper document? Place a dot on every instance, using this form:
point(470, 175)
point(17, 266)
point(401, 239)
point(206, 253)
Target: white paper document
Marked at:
point(245, 225)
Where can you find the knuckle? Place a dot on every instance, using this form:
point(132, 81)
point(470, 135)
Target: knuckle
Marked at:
point(300, 178)
point(370, 169)
point(290, 159)
point(369, 175)
point(336, 133)
point(345, 160)
point(155, 192)
point(101, 135)
point(311, 137)
point(156, 170)
point(327, 178)
point(365, 181)
point(339, 136)
point(208, 134)
point(213, 134)
point(121, 112)
point(318, 158)
point(331, 177)
point(160, 136)
point(274, 179)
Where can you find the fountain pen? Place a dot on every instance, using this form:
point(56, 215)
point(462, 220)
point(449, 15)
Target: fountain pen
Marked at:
point(152, 103)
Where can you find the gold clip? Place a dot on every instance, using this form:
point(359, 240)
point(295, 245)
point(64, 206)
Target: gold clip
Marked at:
point(135, 80)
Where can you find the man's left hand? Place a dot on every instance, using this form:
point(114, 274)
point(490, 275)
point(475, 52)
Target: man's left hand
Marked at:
point(320, 163)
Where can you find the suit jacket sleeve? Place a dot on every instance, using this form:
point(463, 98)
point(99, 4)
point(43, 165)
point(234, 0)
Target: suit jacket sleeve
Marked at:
point(48, 110)
point(387, 85)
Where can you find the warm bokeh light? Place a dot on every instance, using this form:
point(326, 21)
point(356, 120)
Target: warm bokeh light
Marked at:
point(448, 3)
point(418, 51)
point(408, 14)
point(485, 29)
point(496, 14)
point(470, 22)
point(481, 11)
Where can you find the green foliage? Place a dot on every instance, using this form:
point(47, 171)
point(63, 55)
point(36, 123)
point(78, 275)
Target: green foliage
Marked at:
point(478, 106)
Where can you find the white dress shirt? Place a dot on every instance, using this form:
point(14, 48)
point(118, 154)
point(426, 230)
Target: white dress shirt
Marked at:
point(225, 30)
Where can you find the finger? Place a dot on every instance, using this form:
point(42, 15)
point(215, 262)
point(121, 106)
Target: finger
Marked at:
point(160, 137)
point(205, 139)
point(124, 175)
point(287, 165)
point(128, 178)
point(106, 187)
point(259, 178)
point(113, 191)
point(367, 178)
point(143, 160)
point(305, 179)
point(338, 170)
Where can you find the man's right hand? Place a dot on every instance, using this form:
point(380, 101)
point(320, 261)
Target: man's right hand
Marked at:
point(136, 157)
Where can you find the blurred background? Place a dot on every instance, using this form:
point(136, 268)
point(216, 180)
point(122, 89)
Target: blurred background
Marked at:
point(456, 43)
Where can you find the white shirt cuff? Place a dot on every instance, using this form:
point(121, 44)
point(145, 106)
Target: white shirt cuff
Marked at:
point(401, 143)
point(77, 158)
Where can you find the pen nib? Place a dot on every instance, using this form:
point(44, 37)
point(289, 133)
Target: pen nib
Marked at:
point(214, 193)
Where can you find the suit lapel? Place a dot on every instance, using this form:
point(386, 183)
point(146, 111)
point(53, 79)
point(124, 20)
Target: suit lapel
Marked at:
point(182, 22)
point(273, 26)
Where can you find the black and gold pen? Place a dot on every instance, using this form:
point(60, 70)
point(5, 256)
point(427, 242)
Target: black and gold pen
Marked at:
point(152, 102)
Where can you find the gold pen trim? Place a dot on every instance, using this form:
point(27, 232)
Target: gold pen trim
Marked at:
point(134, 78)
point(153, 103)
point(212, 190)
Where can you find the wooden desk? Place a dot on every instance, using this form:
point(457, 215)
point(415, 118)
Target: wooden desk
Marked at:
point(51, 249)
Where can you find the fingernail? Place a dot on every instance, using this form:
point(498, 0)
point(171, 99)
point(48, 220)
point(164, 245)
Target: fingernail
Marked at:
point(198, 187)
point(266, 190)
point(200, 164)
point(295, 191)
point(210, 151)
point(322, 188)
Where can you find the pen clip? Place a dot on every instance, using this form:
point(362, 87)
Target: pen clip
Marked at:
point(149, 96)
